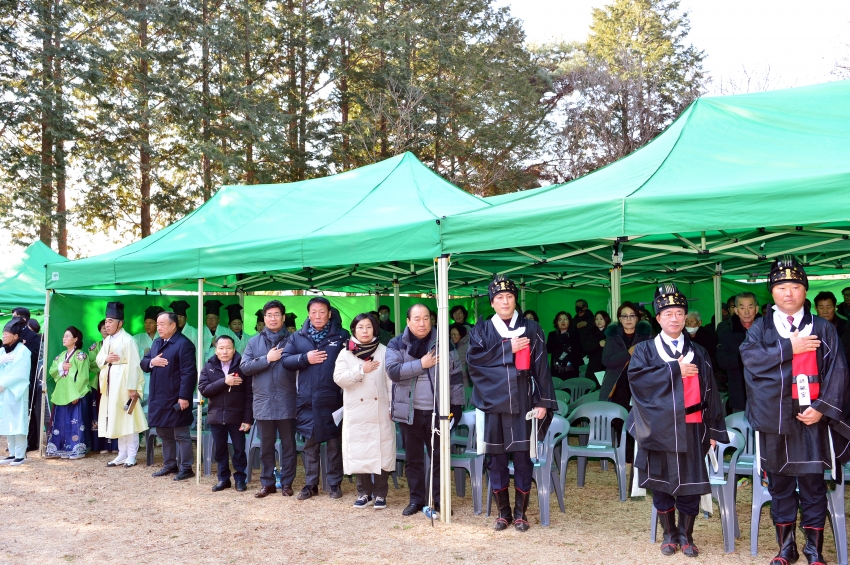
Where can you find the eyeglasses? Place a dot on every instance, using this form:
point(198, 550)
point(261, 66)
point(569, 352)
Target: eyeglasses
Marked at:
point(272, 316)
point(628, 317)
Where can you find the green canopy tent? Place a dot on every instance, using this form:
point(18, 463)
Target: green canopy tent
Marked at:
point(22, 277)
point(344, 232)
point(732, 183)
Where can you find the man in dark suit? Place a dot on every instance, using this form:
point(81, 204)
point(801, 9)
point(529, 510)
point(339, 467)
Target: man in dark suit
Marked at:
point(171, 364)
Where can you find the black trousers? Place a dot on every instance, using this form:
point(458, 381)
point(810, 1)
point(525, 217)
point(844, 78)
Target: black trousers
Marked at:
point(312, 461)
point(219, 433)
point(686, 504)
point(500, 477)
point(417, 438)
point(176, 448)
point(269, 431)
point(35, 432)
point(380, 486)
point(811, 499)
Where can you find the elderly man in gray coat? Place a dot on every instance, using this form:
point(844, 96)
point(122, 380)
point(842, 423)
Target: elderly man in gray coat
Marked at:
point(411, 360)
point(274, 399)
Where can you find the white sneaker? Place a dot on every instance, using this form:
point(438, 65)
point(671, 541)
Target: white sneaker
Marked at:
point(7, 460)
point(17, 462)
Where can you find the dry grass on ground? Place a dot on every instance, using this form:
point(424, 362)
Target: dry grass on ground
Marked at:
point(60, 511)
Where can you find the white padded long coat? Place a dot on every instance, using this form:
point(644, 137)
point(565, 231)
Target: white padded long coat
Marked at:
point(368, 433)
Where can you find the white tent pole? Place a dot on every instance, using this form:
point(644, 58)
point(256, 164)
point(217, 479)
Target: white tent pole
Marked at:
point(616, 272)
point(43, 375)
point(396, 308)
point(200, 362)
point(444, 387)
point(522, 293)
point(474, 307)
point(718, 309)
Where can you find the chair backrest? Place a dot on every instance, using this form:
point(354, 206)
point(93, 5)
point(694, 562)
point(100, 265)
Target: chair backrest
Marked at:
point(563, 409)
point(557, 383)
point(468, 419)
point(562, 396)
point(579, 387)
point(738, 421)
point(558, 430)
point(600, 415)
point(586, 399)
point(736, 444)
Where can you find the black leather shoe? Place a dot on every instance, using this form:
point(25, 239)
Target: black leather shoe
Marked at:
point(241, 486)
point(221, 485)
point(412, 509)
point(183, 475)
point(164, 471)
point(307, 492)
point(265, 491)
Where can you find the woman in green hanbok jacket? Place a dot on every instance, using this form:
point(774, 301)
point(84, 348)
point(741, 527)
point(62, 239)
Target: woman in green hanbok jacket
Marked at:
point(70, 426)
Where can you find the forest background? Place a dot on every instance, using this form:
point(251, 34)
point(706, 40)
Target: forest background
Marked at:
point(118, 118)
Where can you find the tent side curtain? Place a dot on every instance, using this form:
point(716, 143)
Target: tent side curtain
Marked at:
point(382, 212)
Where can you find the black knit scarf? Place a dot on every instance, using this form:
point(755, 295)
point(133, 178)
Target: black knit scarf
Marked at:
point(364, 351)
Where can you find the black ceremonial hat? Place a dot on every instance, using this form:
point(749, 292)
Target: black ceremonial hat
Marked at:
point(786, 268)
point(179, 307)
point(115, 310)
point(151, 312)
point(502, 284)
point(234, 311)
point(213, 307)
point(668, 296)
point(259, 315)
point(289, 320)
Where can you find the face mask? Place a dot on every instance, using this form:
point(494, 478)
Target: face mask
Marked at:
point(579, 309)
point(692, 331)
point(384, 317)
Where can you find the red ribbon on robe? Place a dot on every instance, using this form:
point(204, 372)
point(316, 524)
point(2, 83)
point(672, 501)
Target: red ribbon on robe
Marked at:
point(692, 398)
point(805, 364)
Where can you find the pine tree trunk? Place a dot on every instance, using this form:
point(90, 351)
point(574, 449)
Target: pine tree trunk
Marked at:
point(205, 120)
point(59, 149)
point(144, 126)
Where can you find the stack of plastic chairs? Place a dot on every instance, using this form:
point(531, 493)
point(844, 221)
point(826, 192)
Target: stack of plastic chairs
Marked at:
point(471, 461)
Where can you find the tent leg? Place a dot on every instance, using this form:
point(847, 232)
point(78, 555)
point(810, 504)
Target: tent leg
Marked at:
point(522, 293)
point(42, 377)
point(200, 363)
point(444, 387)
point(616, 271)
point(396, 307)
point(718, 304)
point(474, 307)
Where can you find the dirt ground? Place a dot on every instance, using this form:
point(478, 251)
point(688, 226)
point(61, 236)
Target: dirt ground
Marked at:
point(61, 511)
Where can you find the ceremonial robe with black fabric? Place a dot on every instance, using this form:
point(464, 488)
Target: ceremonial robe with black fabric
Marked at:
point(504, 394)
point(671, 453)
point(787, 445)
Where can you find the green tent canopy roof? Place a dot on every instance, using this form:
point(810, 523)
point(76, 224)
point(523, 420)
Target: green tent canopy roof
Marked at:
point(22, 277)
point(274, 236)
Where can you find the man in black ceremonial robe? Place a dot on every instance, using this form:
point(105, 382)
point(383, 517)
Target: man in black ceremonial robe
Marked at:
point(676, 418)
point(509, 371)
point(786, 352)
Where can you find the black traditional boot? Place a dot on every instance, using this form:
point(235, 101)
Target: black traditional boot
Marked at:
point(814, 546)
point(671, 534)
point(786, 537)
point(686, 535)
point(503, 504)
point(520, 506)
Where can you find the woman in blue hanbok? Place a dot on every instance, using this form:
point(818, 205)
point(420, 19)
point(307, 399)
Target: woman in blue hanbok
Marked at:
point(69, 426)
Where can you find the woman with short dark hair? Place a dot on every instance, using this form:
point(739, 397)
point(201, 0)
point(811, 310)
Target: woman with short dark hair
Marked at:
point(565, 359)
point(70, 422)
point(368, 433)
point(593, 341)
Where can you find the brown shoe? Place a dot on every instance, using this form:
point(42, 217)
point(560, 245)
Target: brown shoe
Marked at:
point(286, 490)
point(265, 491)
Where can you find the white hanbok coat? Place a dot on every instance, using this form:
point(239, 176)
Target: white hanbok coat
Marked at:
point(115, 382)
point(14, 400)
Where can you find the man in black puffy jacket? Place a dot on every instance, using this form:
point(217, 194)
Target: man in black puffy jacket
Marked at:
point(312, 352)
point(231, 410)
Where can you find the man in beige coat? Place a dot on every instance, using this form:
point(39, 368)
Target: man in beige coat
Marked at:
point(121, 380)
point(368, 433)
